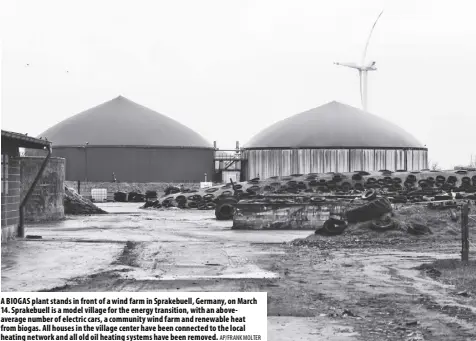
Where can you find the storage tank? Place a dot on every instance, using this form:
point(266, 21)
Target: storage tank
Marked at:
point(124, 140)
point(334, 137)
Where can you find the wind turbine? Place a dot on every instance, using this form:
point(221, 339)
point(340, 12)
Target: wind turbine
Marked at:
point(364, 68)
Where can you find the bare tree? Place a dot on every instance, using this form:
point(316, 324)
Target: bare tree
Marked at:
point(434, 166)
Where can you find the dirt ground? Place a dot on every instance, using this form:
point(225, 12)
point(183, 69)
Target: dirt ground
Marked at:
point(322, 288)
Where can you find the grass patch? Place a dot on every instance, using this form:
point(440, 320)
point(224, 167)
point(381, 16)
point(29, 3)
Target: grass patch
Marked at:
point(455, 272)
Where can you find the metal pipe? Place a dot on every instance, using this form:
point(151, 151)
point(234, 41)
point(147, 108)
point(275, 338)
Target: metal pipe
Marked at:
point(21, 224)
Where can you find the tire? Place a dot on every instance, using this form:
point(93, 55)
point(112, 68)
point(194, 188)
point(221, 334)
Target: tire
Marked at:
point(359, 187)
point(397, 187)
point(332, 227)
point(225, 209)
point(318, 199)
point(180, 198)
point(208, 197)
point(369, 195)
point(337, 178)
point(292, 184)
point(192, 204)
point(211, 205)
point(382, 225)
point(313, 183)
point(250, 191)
point(372, 210)
point(452, 179)
point(356, 177)
point(411, 178)
point(346, 187)
point(423, 184)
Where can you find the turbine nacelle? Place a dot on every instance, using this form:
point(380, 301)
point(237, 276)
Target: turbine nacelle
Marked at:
point(370, 66)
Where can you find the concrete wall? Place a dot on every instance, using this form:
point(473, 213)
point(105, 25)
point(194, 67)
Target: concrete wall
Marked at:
point(265, 163)
point(86, 187)
point(10, 196)
point(46, 201)
point(283, 216)
point(136, 164)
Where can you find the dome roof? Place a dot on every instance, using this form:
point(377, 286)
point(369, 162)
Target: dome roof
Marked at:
point(333, 125)
point(121, 122)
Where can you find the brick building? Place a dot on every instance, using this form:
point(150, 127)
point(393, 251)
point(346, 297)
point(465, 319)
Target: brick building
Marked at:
point(12, 201)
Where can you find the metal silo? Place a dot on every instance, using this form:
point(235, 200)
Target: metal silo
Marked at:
point(334, 137)
point(130, 142)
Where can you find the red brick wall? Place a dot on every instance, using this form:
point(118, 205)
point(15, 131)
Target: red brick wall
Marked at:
point(10, 196)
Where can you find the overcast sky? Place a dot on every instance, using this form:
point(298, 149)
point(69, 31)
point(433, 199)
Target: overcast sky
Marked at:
point(228, 69)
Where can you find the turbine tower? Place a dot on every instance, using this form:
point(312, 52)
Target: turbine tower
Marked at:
point(364, 68)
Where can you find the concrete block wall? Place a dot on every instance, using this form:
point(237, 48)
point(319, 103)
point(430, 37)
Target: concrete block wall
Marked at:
point(112, 187)
point(46, 201)
point(10, 197)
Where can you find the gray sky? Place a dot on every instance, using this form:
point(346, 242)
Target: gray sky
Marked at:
point(228, 69)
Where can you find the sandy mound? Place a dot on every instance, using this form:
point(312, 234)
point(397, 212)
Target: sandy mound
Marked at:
point(76, 204)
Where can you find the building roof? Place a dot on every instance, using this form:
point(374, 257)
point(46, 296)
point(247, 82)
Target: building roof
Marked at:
point(23, 140)
point(121, 122)
point(333, 125)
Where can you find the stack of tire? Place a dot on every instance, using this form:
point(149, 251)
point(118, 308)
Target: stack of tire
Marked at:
point(375, 207)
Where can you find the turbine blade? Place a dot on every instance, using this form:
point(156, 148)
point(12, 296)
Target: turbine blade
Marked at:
point(368, 39)
point(351, 65)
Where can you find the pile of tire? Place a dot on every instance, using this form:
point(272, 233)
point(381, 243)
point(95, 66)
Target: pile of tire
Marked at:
point(374, 208)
